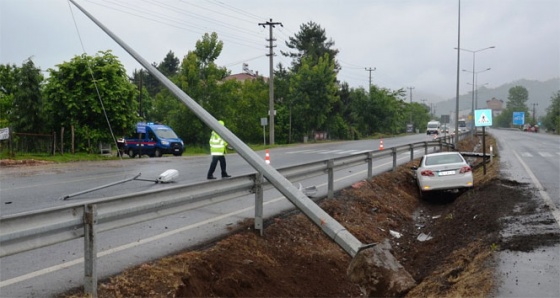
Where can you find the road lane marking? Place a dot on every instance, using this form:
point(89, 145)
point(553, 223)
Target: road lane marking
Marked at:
point(544, 195)
point(526, 154)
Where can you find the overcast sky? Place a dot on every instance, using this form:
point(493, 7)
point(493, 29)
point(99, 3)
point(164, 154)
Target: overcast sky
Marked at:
point(410, 43)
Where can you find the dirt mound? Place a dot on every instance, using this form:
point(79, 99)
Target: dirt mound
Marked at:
point(444, 243)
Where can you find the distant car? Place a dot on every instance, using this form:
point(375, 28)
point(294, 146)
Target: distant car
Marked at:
point(445, 129)
point(443, 171)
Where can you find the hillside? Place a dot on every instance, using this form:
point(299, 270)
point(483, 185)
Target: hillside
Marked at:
point(539, 93)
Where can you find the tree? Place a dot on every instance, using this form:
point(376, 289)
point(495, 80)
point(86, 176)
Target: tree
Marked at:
point(313, 86)
point(310, 43)
point(8, 86)
point(208, 50)
point(200, 78)
point(92, 96)
point(517, 98)
point(170, 65)
point(283, 105)
point(552, 119)
point(27, 106)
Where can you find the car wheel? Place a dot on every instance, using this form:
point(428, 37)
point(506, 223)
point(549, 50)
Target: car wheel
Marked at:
point(157, 153)
point(421, 194)
point(131, 153)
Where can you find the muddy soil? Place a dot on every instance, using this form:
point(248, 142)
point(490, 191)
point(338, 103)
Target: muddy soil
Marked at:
point(446, 243)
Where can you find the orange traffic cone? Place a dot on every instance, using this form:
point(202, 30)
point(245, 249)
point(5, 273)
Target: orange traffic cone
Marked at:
point(267, 157)
point(381, 144)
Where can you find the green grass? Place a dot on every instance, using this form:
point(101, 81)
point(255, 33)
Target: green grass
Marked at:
point(80, 156)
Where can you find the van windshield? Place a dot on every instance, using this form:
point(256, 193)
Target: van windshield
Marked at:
point(433, 125)
point(163, 133)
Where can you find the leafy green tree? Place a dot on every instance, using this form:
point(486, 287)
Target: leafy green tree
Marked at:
point(170, 65)
point(200, 78)
point(517, 98)
point(310, 43)
point(27, 106)
point(420, 115)
point(552, 119)
point(249, 102)
point(313, 86)
point(8, 86)
point(283, 105)
point(91, 96)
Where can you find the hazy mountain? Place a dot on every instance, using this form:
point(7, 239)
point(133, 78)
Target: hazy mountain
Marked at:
point(539, 94)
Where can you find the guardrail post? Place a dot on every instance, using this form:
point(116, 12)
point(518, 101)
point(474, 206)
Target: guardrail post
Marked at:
point(370, 165)
point(330, 171)
point(425, 148)
point(259, 203)
point(394, 150)
point(440, 145)
point(411, 151)
point(90, 250)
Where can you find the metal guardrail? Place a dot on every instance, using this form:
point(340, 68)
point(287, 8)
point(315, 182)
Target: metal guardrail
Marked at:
point(35, 229)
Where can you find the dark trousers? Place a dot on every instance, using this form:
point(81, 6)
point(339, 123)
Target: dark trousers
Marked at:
point(215, 159)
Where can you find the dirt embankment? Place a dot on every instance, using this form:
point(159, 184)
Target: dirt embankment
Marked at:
point(445, 244)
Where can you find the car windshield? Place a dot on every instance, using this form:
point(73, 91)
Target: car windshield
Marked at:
point(165, 134)
point(430, 125)
point(443, 159)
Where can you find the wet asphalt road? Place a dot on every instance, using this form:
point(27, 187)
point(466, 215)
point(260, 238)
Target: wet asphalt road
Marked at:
point(532, 158)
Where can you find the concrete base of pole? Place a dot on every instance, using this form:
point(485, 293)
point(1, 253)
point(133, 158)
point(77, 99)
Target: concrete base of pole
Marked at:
point(378, 273)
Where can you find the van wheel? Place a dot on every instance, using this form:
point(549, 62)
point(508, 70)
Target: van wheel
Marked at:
point(157, 153)
point(131, 153)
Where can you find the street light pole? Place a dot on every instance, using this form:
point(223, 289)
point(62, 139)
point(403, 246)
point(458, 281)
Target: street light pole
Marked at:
point(476, 86)
point(410, 90)
point(475, 78)
point(473, 72)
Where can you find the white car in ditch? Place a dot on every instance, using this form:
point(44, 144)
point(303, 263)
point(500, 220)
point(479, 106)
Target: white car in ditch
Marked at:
point(443, 171)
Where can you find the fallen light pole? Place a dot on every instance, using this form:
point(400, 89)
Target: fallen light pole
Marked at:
point(165, 177)
point(379, 274)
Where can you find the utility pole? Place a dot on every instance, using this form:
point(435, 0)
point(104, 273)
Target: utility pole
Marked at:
point(370, 70)
point(534, 104)
point(270, 54)
point(410, 92)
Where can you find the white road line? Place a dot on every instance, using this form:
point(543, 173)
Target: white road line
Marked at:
point(360, 152)
point(545, 154)
point(326, 151)
point(544, 195)
point(526, 154)
point(300, 151)
point(347, 152)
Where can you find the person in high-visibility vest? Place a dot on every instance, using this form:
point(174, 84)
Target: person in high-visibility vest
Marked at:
point(218, 147)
